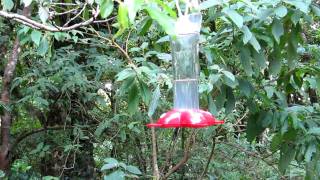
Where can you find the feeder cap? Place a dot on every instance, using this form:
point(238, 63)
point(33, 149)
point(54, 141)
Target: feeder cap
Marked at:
point(188, 24)
point(186, 118)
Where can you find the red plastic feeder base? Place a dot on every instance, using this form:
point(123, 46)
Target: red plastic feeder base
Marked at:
point(186, 118)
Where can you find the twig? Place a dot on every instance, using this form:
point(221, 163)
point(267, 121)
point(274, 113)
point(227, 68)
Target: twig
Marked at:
point(171, 149)
point(127, 40)
point(186, 156)
point(178, 8)
point(154, 153)
point(36, 25)
point(74, 157)
point(64, 4)
point(115, 44)
point(84, 7)
point(253, 154)
point(210, 158)
point(63, 13)
point(105, 20)
point(240, 119)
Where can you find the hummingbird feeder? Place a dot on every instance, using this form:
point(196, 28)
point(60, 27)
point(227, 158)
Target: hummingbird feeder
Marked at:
point(185, 50)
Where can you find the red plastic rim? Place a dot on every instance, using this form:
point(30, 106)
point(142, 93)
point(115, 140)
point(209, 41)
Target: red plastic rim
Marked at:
point(186, 118)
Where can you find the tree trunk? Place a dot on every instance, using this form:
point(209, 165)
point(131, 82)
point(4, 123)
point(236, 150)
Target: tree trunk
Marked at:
point(5, 98)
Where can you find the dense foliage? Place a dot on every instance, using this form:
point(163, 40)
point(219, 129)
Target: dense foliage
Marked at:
point(91, 74)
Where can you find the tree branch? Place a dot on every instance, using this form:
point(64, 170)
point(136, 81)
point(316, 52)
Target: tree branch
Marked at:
point(27, 134)
point(186, 156)
point(36, 25)
point(5, 98)
point(84, 7)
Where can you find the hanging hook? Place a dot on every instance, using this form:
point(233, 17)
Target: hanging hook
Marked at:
point(178, 8)
point(188, 3)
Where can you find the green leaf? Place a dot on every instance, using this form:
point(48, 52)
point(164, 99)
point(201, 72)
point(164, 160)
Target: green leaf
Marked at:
point(124, 74)
point(43, 47)
point(123, 19)
point(133, 7)
point(145, 92)
point(101, 127)
point(229, 75)
point(281, 11)
point(133, 170)
point(254, 127)
point(316, 10)
point(287, 153)
point(211, 105)
point(314, 131)
point(133, 99)
point(117, 175)
point(165, 21)
point(310, 151)
point(245, 60)
point(110, 161)
point(121, 164)
point(50, 178)
point(145, 26)
point(229, 79)
point(27, 2)
point(274, 66)
point(269, 90)
point(276, 142)
point(295, 17)
point(108, 166)
point(254, 42)
point(123, 16)
point(234, 16)
point(165, 7)
point(163, 39)
point(154, 102)
point(245, 87)
point(300, 4)
point(213, 78)
point(260, 59)
point(7, 5)
point(277, 29)
point(247, 35)
point(36, 37)
point(2, 174)
point(43, 13)
point(106, 7)
point(230, 104)
point(209, 3)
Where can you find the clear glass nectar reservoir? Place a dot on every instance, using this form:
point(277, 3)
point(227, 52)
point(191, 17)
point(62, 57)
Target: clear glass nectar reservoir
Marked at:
point(185, 51)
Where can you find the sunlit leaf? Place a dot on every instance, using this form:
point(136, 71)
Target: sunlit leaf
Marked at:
point(106, 7)
point(133, 170)
point(7, 4)
point(27, 2)
point(209, 3)
point(245, 59)
point(133, 99)
point(234, 16)
point(277, 30)
point(36, 37)
point(154, 102)
point(247, 35)
point(165, 21)
point(43, 14)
